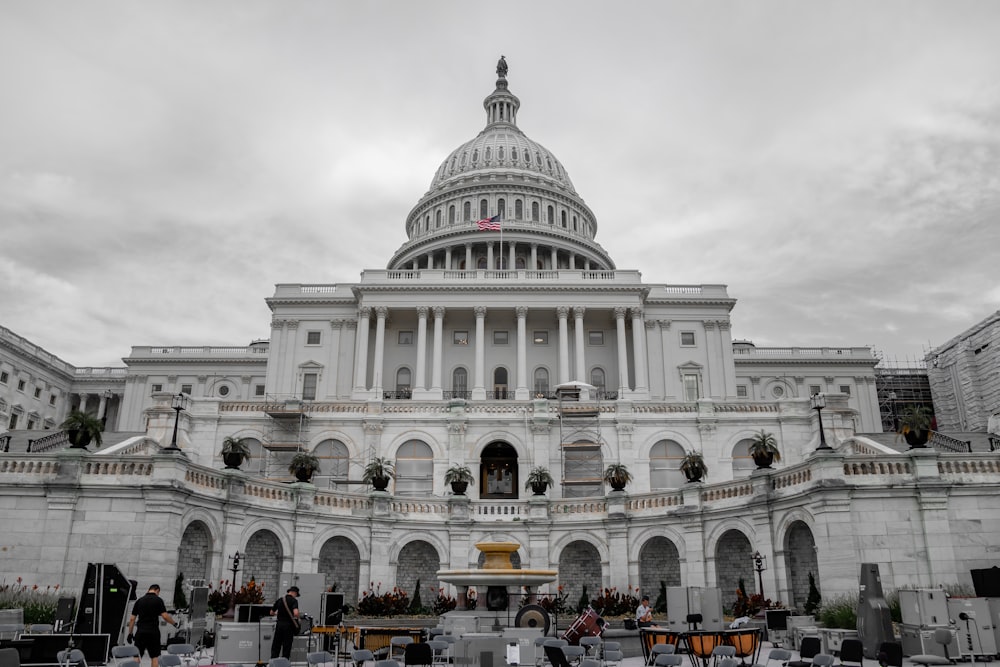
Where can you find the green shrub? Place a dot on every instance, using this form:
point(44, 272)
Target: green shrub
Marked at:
point(840, 611)
point(38, 604)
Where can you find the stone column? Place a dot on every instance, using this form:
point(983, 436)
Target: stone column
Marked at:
point(639, 350)
point(438, 344)
point(581, 368)
point(102, 405)
point(572, 260)
point(512, 262)
point(562, 312)
point(447, 257)
point(623, 387)
point(468, 258)
point(714, 380)
point(521, 393)
point(489, 256)
point(361, 356)
point(479, 387)
point(534, 257)
point(555, 259)
point(421, 383)
point(378, 382)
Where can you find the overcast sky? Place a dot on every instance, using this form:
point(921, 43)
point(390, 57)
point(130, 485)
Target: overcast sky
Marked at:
point(164, 164)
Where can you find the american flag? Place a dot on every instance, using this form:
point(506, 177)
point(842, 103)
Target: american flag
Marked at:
point(489, 224)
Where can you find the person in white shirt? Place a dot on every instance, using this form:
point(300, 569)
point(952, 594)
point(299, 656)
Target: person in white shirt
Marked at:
point(644, 613)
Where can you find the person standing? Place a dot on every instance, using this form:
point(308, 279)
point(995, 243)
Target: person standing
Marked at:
point(145, 624)
point(644, 613)
point(286, 609)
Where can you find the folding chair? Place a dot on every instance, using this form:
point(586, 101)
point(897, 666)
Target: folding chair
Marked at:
point(852, 650)
point(668, 660)
point(782, 655)
point(574, 654)
point(170, 660)
point(71, 658)
point(823, 660)
point(279, 662)
point(10, 657)
point(124, 655)
point(810, 648)
point(890, 654)
point(592, 644)
point(729, 662)
point(439, 648)
point(361, 656)
point(397, 645)
point(590, 662)
point(418, 653)
point(318, 658)
point(185, 652)
point(660, 649)
point(386, 663)
point(721, 653)
point(555, 655)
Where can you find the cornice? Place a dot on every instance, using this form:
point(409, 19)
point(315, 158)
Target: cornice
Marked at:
point(805, 361)
point(260, 359)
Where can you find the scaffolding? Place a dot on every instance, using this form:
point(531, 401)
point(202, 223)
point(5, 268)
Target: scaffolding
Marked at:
point(898, 387)
point(580, 440)
point(285, 434)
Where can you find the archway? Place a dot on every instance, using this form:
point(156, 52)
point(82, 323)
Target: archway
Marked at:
point(340, 561)
point(194, 554)
point(498, 471)
point(659, 566)
point(418, 561)
point(733, 564)
point(264, 558)
point(800, 561)
point(579, 566)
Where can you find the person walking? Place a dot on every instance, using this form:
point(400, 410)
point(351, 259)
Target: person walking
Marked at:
point(145, 624)
point(286, 609)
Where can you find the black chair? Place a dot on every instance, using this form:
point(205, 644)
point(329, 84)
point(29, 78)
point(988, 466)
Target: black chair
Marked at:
point(418, 653)
point(852, 650)
point(555, 656)
point(810, 649)
point(890, 654)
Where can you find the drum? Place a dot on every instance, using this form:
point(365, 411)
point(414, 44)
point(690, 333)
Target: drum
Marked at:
point(702, 643)
point(533, 616)
point(587, 624)
point(746, 641)
point(650, 636)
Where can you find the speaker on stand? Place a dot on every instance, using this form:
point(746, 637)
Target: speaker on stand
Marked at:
point(332, 615)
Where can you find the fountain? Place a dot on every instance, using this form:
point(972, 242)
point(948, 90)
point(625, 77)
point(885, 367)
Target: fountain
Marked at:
point(499, 576)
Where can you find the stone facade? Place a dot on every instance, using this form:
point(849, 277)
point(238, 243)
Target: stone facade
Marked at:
point(965, 378)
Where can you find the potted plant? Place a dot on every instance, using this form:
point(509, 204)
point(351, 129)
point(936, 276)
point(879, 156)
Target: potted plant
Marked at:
point(378, 472)
point(234, 452)
point(303, 465)
point(764, 449)
point(81, 428)
point(539, 480)
point(915, 425)
point(459, 477)
point(693, 466)
point(617, 475)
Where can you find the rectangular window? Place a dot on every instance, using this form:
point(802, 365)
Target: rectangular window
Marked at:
point(500, 338)
point(687, 339)
point(20, 385)
point(157, 388)
point(741, 391)
point(814, 389)
point(540, 338)
point(186, 389)
point(405, 338)
point(313, 337)
point(31, 424)
point(38, 392)
point(258, 390)
point(595, 337)
point(460, 338)
point(12, 424)
point(582, 471)
point(52, 399)
point(4, 377)
point(692, 388)
point(845, 389)
point(309, 381)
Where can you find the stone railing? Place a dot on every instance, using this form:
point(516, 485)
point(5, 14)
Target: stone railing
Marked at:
point(418, 506)
point(727, 491)
point(811, 352)
point(579, 506)
point(653, 501)
point(101, 373)
point(495, 509)
point(49, 442)
point(946, 443)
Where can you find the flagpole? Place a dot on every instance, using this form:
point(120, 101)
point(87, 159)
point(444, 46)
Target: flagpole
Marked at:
point(501, 244)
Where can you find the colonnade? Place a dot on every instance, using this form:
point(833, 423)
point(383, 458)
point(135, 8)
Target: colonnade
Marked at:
point(478, 341)
point(454, 257)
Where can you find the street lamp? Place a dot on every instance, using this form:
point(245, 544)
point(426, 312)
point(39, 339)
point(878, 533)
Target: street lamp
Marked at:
point(177, 403)
point(818, 402)
point(231, 612)
point(759, 566)
point(108, 394)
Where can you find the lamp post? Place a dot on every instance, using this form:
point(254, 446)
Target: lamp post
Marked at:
point(177, 404)
point(231, 612)
point(759, 567)
point(818, 402)
point(892, 410)
point(108, 394)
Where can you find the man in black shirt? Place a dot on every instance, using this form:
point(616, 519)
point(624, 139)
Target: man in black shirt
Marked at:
point(286, 608)
point(148, 610)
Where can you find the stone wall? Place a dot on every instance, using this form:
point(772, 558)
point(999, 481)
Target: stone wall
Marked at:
point(263, 561)
point(733, 564)
point(800, 554)
point(659, 563)
point(419, 561)
point(340, 561)
point(194, 555)
point(579, 566)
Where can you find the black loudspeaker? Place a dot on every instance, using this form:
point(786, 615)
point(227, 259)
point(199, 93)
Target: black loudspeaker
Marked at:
point(104, 602)
point(332, 608)
point(533, 616)
point(65, 608)
point(777, 619)
point(251, 613)
point(986, 582)
point(874, 617)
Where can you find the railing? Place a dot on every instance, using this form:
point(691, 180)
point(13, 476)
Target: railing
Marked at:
point(103, 372)
point(775, 352)
point(201, 351)
point(48, 442)
point(946, 443)
point(457, 393)
point(398, 395)
point(994, 442)
point(492, 509)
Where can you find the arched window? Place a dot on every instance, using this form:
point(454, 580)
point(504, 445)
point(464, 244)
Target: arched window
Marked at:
point(500, 382)
point(414, 469)
point(563, 216)
point(481, 263)
point(501, 208)
point(334, 464)
point(403, 387)
point(460, 383)
point(541, 385)
point(475, 156)
point(489, 153)
point(451, 214)
point(467, 211)
point(597, 379)
point(437, 218)
point(574, 223)
point(427, 222)
point(498, 471)
point(518, 209)
point(500, 153)
point(551, 219)
point(665, 459)
point(519, 262)
point(484, 208)
point(743, 463)
point(534, 211)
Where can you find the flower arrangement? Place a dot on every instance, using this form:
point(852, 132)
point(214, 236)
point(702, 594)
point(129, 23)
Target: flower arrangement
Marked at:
point(39, 604)
point(613, 602)
point(249, 593)
point(751, 605)
point(374, 602)
point(554, 604)
point(443, 603)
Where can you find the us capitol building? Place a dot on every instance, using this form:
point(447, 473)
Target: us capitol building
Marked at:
point(503, 337)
